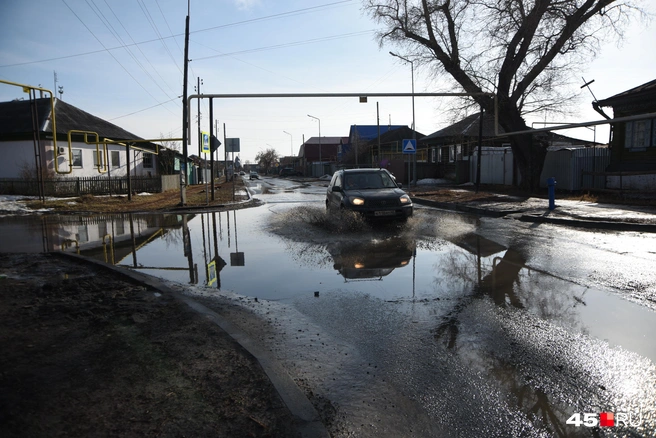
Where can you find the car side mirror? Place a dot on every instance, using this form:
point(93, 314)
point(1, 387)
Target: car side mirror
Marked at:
point(400, 185)
point(337, 189)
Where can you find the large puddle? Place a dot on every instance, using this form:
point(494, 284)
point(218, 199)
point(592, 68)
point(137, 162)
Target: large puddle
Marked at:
point(282, 252)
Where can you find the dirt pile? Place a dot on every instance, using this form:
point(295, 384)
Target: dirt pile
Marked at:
point(87, 353)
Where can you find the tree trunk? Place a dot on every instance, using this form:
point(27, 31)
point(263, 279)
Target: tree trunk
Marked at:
point(528, 151)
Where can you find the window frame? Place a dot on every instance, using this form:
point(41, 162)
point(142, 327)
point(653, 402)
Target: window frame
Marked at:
point(646, 135)
point(75, 155)
point(96, 154)
point(151, 160)
point(115, 163)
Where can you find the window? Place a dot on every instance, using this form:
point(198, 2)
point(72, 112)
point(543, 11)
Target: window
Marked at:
point(147, 160)
point(120, 228)
point(338, 180)
point(77, 157)
point(82, 234)
point(116, 159)
point(96, 155)
point(640, 134)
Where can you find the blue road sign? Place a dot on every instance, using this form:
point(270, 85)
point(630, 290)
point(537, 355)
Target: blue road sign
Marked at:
point(409, 146)
point(206, 142)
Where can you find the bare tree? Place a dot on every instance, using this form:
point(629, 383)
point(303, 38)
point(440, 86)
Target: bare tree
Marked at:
point(167, 155)
point(267, 159)
point(523, 51)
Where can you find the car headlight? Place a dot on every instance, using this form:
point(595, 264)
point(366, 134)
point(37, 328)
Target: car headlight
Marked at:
point(405, 199)
point(357, 201)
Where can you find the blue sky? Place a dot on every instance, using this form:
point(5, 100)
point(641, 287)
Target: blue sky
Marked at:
point(245, 46)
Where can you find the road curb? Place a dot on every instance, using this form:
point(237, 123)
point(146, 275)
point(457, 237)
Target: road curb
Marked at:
point(523, 215)
point(308, 422)
point(465, 208)
point(590, 224)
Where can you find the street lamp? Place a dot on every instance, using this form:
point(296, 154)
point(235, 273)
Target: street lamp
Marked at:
point(291, 142)
point(414, 135)
point(320, 162)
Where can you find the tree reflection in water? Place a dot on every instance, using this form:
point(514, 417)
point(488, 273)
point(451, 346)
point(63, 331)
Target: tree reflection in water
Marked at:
point(477, 275)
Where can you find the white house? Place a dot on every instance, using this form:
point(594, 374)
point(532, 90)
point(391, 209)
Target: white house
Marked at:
point(27, 143)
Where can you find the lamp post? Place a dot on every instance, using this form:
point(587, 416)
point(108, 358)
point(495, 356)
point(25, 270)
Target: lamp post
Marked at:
point(414, 135)
point(320, 162)
point(291, 142)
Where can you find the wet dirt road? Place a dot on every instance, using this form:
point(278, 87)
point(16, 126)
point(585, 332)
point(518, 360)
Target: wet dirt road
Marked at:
point(449, 325)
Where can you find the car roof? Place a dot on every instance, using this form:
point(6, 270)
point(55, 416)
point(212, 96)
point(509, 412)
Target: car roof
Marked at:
point(367, 170)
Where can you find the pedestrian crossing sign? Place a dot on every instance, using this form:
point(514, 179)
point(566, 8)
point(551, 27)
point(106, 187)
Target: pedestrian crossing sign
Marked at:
point(409, 146)
point(206, 142)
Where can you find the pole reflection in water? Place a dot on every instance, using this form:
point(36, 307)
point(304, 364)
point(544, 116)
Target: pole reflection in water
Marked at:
point(218, 261)
point(208, 268)
point(134, 243)
point(236, 258)
point(186, 242)
point(213, 262)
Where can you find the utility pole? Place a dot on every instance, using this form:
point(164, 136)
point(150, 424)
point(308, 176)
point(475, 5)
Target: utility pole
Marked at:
point(183, 170)
point(378, 126)
point(414, 133)
point(320, 161)
point(200, 140)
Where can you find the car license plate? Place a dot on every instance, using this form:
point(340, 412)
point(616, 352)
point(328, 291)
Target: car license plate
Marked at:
point(384, 213)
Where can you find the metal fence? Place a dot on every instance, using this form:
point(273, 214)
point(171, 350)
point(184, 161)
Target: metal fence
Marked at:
point(573, 168)
point(80, 186)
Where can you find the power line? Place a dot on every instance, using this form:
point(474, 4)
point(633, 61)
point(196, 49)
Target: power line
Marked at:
point(145, 109)
point(115, 59)
point(292, 44)
point(171, 32)
point(150, 19)
point(141, 51)
point(94, 7)
point(105, 49)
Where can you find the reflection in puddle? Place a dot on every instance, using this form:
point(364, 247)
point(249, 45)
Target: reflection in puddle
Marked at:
point(370, 260)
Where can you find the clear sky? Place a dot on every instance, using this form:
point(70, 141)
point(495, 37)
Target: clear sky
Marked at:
point(122, 60)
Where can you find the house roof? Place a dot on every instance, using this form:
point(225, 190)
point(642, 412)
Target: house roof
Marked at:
point(16, 120)
point(644, 91)
point(367, 132)
point(324, 140)
point(329, 146)
point(401, 133)
point(467, 127)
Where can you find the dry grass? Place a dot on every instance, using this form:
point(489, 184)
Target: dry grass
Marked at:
point(493, 192)
point(196, 197)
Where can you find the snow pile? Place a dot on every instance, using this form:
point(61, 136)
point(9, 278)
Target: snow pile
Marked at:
point(15, 204)
point(433, 181)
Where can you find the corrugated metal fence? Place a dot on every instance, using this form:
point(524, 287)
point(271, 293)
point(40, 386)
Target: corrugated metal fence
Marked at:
point(80, 186)
point(496, 166)
point(568, 166)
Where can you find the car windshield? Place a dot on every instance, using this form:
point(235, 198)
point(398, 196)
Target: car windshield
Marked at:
point(368, 180)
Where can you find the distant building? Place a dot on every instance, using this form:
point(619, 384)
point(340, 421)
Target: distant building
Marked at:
point(317, 154)
point(360, 135)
